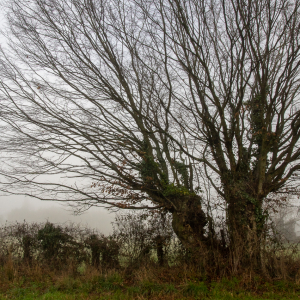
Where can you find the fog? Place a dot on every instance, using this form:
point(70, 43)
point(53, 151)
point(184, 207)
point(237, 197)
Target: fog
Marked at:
point(17, 208)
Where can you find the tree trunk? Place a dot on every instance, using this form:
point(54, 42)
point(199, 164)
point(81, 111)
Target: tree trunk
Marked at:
point(188, 223)
point(27, 244)
point(160, 249)
point(245, 220)
point(204, 249)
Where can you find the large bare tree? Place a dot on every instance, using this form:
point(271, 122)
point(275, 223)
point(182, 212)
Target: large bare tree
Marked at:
point(138, 103)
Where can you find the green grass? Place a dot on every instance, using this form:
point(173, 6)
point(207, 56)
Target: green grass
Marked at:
point(113, 288)
point(151, 282)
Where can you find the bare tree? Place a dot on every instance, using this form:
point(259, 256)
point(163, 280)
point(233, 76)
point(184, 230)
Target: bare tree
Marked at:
point(139, 100)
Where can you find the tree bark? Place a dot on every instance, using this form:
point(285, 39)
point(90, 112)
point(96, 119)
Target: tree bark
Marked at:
point(245, 220)
point(189, 222)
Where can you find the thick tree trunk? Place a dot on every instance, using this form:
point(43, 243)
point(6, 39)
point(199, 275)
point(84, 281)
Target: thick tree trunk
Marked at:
point(189, 222)
point(245, 220)
point(204, 249)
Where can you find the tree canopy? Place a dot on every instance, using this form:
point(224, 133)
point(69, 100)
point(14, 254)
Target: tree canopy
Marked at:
point(153, 100)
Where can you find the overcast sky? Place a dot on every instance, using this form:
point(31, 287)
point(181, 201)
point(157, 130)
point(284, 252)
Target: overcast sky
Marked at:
point(17, 208)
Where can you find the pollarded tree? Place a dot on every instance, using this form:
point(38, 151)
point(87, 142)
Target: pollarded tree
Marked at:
point(138, 100)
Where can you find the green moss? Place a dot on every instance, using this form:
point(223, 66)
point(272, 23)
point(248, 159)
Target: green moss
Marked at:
point(175, 191)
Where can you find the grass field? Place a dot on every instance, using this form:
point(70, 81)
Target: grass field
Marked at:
point(141, 284)
point(111, 290)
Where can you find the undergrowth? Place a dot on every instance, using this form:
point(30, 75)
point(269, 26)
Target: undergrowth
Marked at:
point(141, 260)
point(146, 282)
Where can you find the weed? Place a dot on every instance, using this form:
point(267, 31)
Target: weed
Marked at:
point(150, 288)
point(196, 289)
point(170, 289)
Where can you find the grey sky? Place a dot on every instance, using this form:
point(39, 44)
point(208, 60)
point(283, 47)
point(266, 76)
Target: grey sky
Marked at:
point(17, 208)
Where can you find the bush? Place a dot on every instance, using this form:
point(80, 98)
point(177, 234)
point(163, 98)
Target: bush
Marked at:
point(20, 241)
point(106, 247)
point(60, 245)
point(52, 240)
point(144, 236)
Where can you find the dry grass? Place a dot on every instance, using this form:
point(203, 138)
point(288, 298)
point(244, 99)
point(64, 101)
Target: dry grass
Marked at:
point(149, 281)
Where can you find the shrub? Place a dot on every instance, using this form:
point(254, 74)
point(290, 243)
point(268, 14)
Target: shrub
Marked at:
point(144, 235)
point(106, 247)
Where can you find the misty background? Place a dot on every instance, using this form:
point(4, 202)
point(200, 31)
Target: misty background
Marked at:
point(18, 208)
